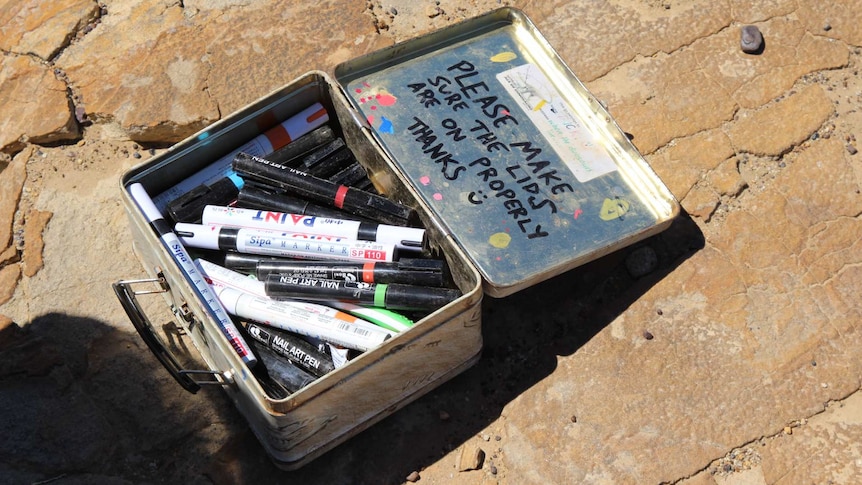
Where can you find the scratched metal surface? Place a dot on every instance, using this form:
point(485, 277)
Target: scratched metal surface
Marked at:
point(520, 167)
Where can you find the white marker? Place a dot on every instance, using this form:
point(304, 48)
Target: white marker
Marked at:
point(191, 273)
point(219, 276)
point(305, 319)
point(261, 145)
point(276, 243)
point(402, 237)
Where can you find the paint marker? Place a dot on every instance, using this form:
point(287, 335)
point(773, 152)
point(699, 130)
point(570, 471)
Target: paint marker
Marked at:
point(404, 238)
point(293, 348)
point(378, 316)
point(283, 372)
point(202, 289)
point(322, 191)
point(274, 243)
point(332, 325)
point(255, 196)
point(408, 271)
point(276, 137)
point(391, 297)
point(220, 277)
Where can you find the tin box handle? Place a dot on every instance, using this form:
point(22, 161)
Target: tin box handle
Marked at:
point(128, 298)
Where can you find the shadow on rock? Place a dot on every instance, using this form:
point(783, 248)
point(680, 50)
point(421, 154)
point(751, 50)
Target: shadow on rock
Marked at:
point(523, 333)
point(86, 403)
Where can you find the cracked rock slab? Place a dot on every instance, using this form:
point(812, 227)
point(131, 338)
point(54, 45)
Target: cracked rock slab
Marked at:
point(180, 69)
point(28, 87)
point(41, 28)
point(662, 98)
point(741, 322)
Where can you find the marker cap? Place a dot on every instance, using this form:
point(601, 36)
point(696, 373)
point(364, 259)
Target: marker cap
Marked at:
point(408, 238)
point(189, 206)
point(198, 235)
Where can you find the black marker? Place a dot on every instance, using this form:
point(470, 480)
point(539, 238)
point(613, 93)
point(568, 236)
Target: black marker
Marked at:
point(255, 196)
point(189, 206)
point(408, 271)
point(352, 176)
point(291, 153)
point(244, 263)
point(322, 191)
point(391, 297)
point(282, 371)
point(327, 160)
point(293, 348)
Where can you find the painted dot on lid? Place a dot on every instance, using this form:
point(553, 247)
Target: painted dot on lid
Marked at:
point(358, 90)
point(370, 119)
point(499, 240)
point(438, 196)
point(425, 180)
point(387, 99)
point(374, 107)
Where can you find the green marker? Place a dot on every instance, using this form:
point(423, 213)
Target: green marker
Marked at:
point(378, 316)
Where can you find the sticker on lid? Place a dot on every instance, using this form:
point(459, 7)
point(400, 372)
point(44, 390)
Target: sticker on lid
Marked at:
point(577, 147)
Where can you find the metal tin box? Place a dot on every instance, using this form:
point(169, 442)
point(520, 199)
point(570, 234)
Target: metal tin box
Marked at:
point(516, 171)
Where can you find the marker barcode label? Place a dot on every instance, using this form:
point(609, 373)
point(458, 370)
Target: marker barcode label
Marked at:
point(353, 328)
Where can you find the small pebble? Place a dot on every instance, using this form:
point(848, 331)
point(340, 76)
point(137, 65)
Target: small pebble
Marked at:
point(827, 27)
point(413, 477)
point(492, 469)
point(751, 40)
point(852, 150)
point(659, 312)
point(574, 418)
point(641, 262)
point(648, 335)
point(136, 155)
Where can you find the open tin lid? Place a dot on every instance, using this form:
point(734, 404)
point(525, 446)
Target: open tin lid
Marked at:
point(522, 166)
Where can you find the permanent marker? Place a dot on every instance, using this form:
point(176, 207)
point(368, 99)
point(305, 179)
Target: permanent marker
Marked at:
point(191, 273)
point(327, 160)
point(276, 137)
point(352, 176)
point(256, 196)
point(276, 243)
point(189, 206)
point(291, 377)
point(291, 153)
point(404, 238)
point(322, 191)
point(392, 297)
point(409, 271)
point(293, 348)
point(333, 326)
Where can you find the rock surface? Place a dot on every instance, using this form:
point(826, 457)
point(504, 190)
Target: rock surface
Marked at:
point(724, 350)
